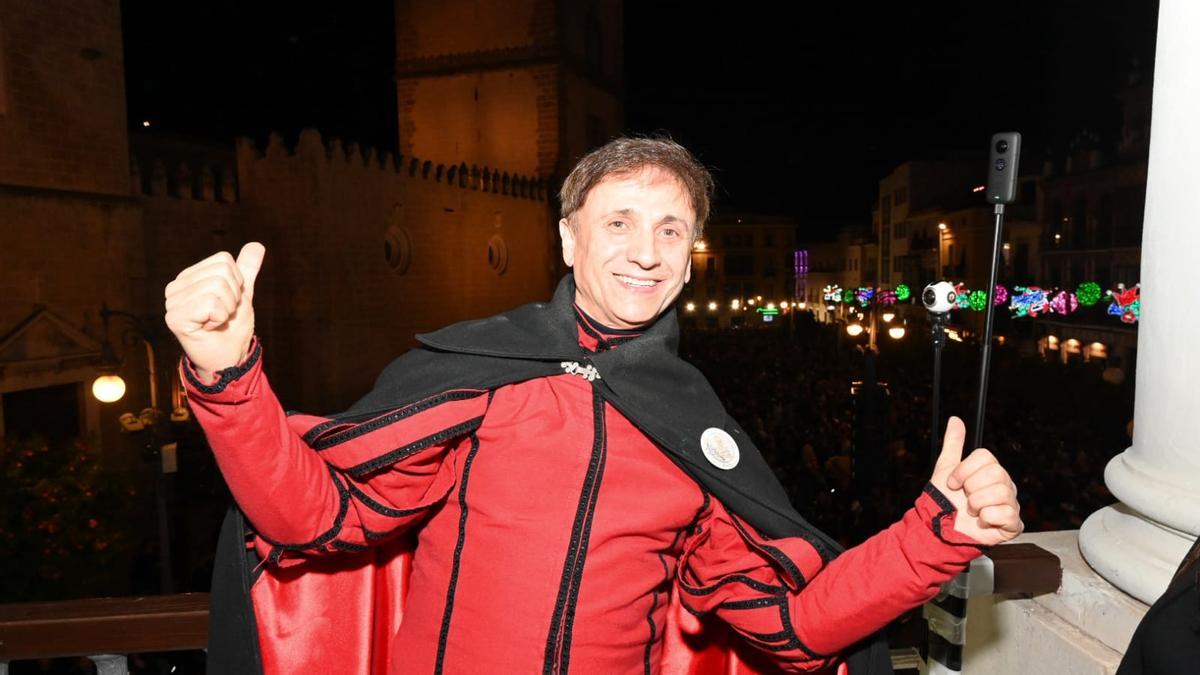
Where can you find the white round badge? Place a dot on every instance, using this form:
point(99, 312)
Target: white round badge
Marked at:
point(719, 448)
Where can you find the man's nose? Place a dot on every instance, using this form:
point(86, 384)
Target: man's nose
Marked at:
point(643, 250)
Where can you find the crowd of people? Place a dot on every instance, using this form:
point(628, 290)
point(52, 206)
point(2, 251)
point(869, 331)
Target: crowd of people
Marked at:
point(1053, 425)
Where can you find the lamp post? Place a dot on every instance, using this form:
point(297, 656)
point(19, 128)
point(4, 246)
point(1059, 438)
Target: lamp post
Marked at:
point(110, 388)
point(942, 229)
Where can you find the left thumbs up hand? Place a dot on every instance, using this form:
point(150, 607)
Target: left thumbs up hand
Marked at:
point(981, 490)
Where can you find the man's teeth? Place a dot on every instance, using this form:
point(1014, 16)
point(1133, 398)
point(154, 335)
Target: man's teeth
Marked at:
point(644, 283)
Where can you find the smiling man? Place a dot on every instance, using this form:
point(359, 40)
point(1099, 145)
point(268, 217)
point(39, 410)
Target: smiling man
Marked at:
point(551, 489)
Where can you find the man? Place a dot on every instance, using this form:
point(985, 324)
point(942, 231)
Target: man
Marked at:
point(547, 489)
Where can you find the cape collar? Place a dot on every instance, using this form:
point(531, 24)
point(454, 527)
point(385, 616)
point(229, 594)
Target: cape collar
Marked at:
point(545, 331)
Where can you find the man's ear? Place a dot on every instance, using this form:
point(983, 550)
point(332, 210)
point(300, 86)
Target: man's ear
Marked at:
point(568, 241)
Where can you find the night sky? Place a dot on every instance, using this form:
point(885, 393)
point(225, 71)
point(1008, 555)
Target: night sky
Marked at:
point(797, 115)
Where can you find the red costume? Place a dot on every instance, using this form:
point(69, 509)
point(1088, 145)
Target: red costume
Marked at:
point(531, 527)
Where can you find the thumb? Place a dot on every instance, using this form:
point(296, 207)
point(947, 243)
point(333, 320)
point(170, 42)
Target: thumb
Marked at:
point(952, 448)
point(249, 262)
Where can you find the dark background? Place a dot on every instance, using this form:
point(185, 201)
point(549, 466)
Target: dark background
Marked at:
point(799, 107)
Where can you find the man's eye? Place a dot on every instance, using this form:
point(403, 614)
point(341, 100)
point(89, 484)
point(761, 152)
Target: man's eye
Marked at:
point(618, 225)
point(670, 232)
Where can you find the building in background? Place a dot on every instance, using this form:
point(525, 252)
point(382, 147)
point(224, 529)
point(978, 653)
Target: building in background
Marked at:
point(365, 247)
point(744, 273)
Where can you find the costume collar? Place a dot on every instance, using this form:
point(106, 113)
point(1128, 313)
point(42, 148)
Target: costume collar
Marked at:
point(542, 331)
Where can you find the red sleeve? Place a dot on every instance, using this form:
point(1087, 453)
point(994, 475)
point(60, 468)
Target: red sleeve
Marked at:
point(311, 484)
point(782, 598)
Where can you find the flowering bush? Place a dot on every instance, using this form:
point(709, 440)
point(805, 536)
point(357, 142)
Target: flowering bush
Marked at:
point(64, 522)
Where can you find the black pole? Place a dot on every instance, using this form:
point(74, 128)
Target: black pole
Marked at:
point(939, 341)
point(986, 362)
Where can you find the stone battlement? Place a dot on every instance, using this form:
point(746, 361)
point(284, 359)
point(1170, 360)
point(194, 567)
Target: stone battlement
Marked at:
point(333, 154)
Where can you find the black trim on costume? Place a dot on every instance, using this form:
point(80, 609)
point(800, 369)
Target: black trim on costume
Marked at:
point(779, 556)
point(785, 618)
point(384, 510)
point(444, 634)
point(667, 575)
point(391, 418)
point(326, 537)
point(558, 642)
point(347, 546)
point(650, 620)
point(320, 428)
point(753, 603)
point(404, 451)
point(224, 376)
point(733, 578)
point(946, 509)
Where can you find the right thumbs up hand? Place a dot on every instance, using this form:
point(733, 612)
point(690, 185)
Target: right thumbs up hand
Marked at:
point(210, 309)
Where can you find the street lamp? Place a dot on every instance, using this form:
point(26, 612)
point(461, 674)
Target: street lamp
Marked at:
point(854, 329)
point(110, 388)
point(942, 229)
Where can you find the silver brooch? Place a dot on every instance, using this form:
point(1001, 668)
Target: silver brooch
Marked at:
point(588, 372)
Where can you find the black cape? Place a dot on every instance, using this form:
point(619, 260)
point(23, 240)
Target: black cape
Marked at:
point(667, 398)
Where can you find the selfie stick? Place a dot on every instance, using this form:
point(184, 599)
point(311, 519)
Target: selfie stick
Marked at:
point(947, 614)
point(1001, 190)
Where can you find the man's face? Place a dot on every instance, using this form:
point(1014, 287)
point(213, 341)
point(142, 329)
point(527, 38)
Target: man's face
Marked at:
point(631, 247)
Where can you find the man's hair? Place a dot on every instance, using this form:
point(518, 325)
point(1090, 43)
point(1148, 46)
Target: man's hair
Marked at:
point(624, 156)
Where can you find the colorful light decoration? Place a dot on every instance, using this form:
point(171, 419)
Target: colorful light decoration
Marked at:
point(1126, 303)
point(1022, 301)
point(1028, 301)
point(864, 295)
point(1063, 303)
point(1088, 293)
point(961, 301)
point(1001, 295)
point(977, 300)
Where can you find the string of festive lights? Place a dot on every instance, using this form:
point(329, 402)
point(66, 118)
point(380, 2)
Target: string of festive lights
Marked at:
point(1022, 301)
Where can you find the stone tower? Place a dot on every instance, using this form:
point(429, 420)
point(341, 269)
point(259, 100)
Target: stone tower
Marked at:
point(528, 85)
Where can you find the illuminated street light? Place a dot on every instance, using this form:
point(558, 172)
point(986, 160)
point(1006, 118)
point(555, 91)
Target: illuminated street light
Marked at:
point(854, 329)
point(887, 316)
point(146, 123)
point(700, 245)
point(712, 306)
point(691, 307)
point(735, 304)
point(783, 305)
point(750, 302)
point(801, 305)
point(896, 332)
point(770, 305)
point(108, 388)
point(942, 227)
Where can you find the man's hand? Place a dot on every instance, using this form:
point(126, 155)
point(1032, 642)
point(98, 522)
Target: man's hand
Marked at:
point(210, 310)
point(986, 498)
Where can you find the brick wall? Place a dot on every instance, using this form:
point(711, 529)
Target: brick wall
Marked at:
point(63, 124)
point(330, 309)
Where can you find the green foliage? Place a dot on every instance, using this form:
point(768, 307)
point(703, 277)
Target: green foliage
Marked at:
point(64, 520)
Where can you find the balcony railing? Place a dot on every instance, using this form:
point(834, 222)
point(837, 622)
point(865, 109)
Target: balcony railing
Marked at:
point(103, 629)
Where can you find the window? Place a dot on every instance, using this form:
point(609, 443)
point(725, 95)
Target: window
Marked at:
point(885, 210)
point(739, 265)
point(901, 196)
point(710, 268)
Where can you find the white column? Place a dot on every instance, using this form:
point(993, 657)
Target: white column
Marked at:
point(1137, 544)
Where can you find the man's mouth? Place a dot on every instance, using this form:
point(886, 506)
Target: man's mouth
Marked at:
point(635, 282)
